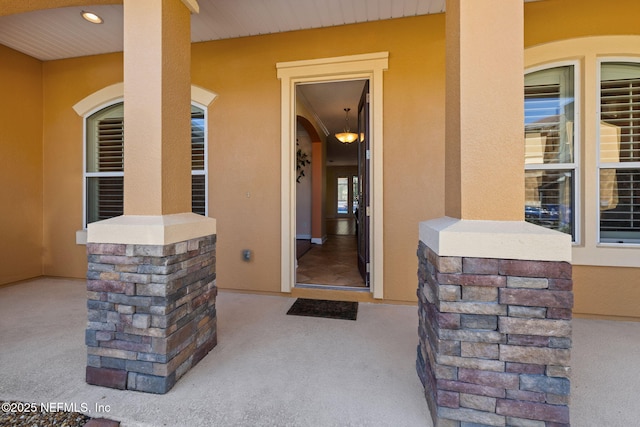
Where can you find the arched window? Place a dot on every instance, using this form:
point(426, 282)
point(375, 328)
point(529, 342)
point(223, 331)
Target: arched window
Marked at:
point(199, 192)
point(104, 162)
point(104, 171)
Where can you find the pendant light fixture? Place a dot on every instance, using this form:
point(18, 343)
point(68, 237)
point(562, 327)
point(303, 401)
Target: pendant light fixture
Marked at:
point(347, 137)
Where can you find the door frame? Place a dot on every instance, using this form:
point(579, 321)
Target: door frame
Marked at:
point(368, 66)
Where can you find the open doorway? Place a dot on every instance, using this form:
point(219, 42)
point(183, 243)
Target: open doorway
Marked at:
point(367, 66)
point(332, 185)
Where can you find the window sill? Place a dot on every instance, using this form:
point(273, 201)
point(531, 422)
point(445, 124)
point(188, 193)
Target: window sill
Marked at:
point(607, 255)
point(81, 237)
point(633, 245)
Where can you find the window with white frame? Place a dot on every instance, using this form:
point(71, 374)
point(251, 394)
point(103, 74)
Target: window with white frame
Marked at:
point(550, 158)
point(104, 171)
point(619, 152)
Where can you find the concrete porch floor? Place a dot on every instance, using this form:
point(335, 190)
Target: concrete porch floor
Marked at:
point(270, 369)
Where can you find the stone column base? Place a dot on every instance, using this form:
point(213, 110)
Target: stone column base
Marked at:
point(151, 310)
point(495, 333)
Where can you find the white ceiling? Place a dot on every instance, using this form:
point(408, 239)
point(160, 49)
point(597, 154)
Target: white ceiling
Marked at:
point(62, 33)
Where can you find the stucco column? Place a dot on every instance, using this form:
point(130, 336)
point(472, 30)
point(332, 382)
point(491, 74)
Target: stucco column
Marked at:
point(157, 90)
point(157, 111)
point(484, 110)
point(494, 292)
point(151, 279)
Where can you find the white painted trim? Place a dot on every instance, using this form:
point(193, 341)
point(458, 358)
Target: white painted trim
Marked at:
point(331, 287)
point(588, 50)
point(109, 94)
point(202, 96)
point(106, 95)
point(192, 5)
point(150, 230)
point(367, 66)
point(329, 65)
point(495, 239)
point(303, 236)
point(319, 240)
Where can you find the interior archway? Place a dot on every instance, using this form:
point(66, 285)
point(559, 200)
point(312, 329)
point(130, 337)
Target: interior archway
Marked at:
point(317, 180)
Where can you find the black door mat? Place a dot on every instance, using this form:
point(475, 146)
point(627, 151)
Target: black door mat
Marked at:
point(324, 308)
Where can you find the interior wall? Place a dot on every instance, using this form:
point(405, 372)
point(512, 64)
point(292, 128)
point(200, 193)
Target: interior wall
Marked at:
point(317, 169)
point(303, 188)
point(20, 166)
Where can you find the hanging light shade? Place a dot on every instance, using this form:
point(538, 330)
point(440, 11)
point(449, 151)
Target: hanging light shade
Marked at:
point(347, 137)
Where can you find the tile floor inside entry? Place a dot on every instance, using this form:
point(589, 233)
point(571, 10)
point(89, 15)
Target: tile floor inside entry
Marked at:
point(335, 262)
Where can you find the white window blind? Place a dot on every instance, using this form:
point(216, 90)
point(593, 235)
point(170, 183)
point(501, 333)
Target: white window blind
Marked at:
point(110, 148)
point(619, 152)
point(198, 161)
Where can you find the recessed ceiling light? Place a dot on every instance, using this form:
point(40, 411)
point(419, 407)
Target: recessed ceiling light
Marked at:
point(91, 17)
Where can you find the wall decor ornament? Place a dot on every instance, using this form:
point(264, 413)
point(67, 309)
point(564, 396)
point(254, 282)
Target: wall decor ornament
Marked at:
point(302, 160)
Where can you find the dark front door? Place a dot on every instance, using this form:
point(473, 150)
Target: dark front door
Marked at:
point(364, 177)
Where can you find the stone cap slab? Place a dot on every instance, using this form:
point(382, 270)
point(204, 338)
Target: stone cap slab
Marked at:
point(150, 230)
point(495, 239)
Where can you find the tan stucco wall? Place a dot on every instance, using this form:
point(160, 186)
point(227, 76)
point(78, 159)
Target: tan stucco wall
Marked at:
point(244, 157)
point(244, 144)
point(65, 83)
point(551, 20)
point(20, 166)
point(606, 291)
point(244, 141)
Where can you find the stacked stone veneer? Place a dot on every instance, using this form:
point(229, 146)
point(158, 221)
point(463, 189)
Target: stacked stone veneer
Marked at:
point(495, 340)
point(152, 312)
